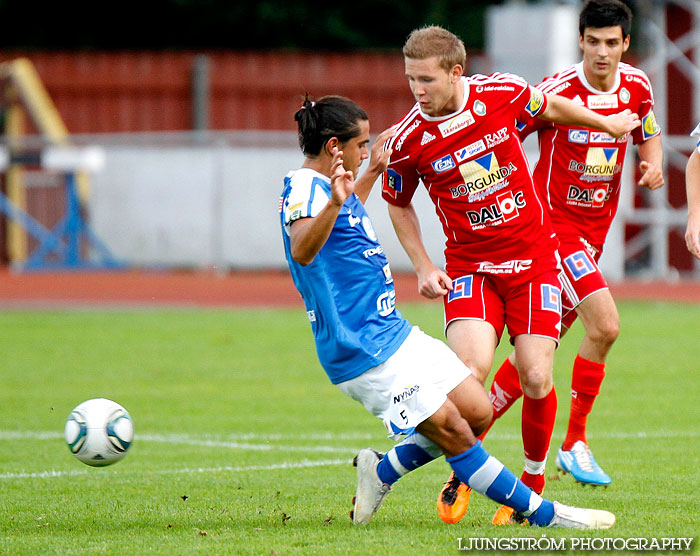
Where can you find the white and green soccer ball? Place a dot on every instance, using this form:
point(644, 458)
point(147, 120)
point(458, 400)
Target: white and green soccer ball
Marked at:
point(99, 432)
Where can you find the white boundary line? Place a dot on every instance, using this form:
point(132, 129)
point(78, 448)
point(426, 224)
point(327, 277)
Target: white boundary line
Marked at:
point(192, 441)
point(231, 440)
point(209, 441)
point(228, 469)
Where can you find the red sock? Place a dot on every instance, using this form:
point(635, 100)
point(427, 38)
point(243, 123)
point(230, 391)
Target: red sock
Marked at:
point(504, 392)
point(505, 389)
point(537, 427)
point(585, 387)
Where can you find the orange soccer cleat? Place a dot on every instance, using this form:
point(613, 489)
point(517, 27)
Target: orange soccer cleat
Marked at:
point(503, 516)
point(453, 500)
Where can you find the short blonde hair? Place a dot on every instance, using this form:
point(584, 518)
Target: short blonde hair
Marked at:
point(430, 41)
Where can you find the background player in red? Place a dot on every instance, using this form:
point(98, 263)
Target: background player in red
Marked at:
point(460, 140)
point(578, 179)
point(692, 187)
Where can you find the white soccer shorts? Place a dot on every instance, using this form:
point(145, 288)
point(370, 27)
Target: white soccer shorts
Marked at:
point(411, 385)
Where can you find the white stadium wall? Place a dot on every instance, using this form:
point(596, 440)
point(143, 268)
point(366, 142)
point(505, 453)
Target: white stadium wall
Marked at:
point(215, 205)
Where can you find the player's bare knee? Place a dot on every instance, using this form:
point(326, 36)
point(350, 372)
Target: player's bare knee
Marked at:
point(536, 382)
point(605, 331)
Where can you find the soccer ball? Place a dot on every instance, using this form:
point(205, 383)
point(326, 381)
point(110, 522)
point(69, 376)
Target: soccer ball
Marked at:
point(99, 432)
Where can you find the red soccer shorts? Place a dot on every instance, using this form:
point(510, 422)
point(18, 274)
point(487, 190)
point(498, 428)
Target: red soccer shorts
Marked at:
point(580, 277)
point(526, 298)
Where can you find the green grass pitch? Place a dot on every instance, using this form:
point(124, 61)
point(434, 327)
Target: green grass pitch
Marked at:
point(242, 445)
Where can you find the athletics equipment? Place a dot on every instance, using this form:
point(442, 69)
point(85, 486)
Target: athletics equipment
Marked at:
point(99, 432)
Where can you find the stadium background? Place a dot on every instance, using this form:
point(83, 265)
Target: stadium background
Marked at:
point(211, 80)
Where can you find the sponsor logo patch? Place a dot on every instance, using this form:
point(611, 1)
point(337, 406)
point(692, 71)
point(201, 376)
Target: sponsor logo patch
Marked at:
point(453, 125)
point(536, 102)
point(578, 136)
point(461, 287)
point(405, 134)
point(405, 394)
point(427, 138)
point(443, 164)
point(579, 265)
point(482, 174)
point(601, 164)
point(602, 101)
point(649, 126)
point(505, 208)
point(493, 139)
point(470, 150)
point(602, 137)
point(508, 267)
point(394, 181)
point(386, 303)
point(551, 298)
point(587, 197)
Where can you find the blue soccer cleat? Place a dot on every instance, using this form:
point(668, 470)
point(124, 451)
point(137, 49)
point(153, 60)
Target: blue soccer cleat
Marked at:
point(579, 461)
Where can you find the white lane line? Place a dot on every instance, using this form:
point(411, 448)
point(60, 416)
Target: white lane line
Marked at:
point(192, 441)
point(232, 441)
point(186, 470)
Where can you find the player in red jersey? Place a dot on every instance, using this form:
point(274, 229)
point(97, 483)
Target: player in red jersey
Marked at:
point(578, 179)
point(460, 140)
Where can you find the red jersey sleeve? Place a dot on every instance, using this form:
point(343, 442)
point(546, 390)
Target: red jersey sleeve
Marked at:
point(401, 179)
point(399, 183)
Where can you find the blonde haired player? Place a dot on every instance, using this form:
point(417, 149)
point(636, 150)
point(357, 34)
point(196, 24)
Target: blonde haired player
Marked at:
point(578, 179)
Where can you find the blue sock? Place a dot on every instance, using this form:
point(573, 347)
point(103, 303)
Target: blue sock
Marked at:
point(488, 476)
point(411, 453)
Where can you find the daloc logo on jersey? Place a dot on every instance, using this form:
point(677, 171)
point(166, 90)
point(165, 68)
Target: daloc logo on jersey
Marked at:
point(443, 164)
point(505, 208)
point(587, 196)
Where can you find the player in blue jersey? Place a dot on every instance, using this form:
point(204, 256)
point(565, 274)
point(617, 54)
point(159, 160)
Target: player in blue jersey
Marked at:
point(413, 382)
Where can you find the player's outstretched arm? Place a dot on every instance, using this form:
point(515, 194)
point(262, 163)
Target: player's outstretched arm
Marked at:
point(432, 282)
point(692, 187)
point(561, 110)
point(378, 161)
point(308, 235)
point(652, 156)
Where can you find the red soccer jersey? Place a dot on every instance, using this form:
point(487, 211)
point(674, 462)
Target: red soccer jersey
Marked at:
point(474, 168)
point(579, 169)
